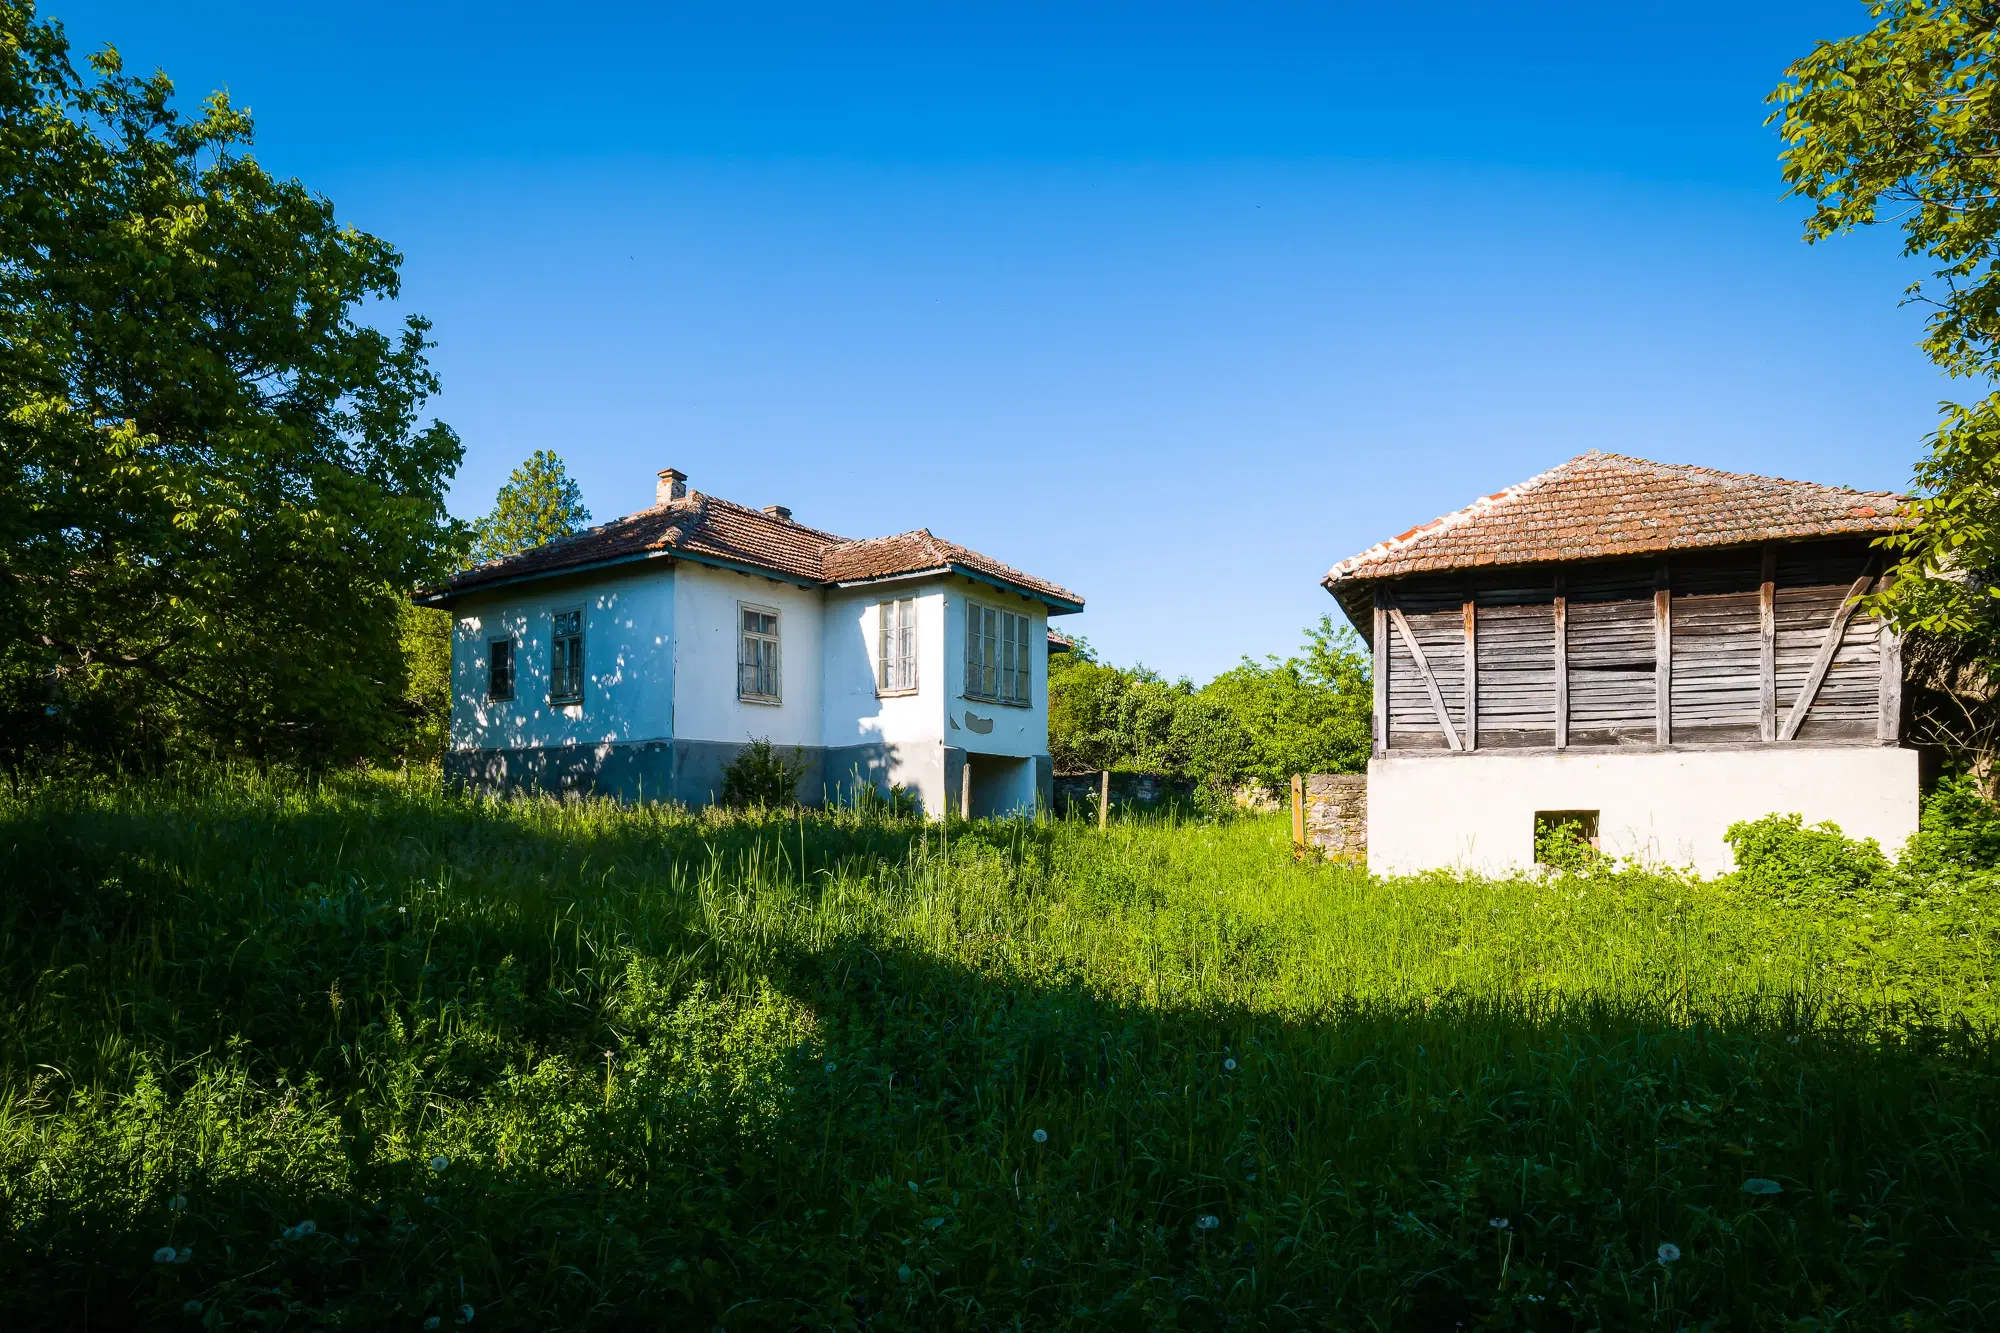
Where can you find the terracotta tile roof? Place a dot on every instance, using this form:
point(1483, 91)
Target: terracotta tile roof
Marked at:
point(702, 526)
point(912, 552)
point(1598, 505)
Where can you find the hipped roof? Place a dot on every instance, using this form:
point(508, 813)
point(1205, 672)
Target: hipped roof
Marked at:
point(710, 530)
point(1599, 505)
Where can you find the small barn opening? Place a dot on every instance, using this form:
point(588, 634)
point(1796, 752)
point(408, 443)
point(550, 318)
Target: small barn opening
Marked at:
point(1563, 837)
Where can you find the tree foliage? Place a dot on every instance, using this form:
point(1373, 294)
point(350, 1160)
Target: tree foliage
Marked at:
point(215, 491)
point(539, 503)
point(1900, 123)
point(1258, 722)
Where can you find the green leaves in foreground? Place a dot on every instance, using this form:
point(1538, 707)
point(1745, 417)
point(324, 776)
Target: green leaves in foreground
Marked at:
point(215, 486)
point(579, 1066)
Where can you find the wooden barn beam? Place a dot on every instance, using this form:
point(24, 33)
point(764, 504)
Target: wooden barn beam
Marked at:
point(1824, 659)
point(1381, 647)
point(1767, 659)
point(1429, 677)
point(1562, 665)
point(1889, 690)
point(1663, 655)
point(1471, 674)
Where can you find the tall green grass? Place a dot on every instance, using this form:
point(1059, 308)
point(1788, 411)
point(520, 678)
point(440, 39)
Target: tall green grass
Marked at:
point(544, 1065)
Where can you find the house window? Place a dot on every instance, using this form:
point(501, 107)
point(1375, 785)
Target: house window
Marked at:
point(500, 670)
point(757, 676)
point(566, 657)
point(998, 663)
point(896, 646)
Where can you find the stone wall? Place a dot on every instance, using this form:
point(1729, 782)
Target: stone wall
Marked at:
point(1337, 815)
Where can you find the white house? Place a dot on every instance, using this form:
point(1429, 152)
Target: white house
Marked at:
point(638, 658)
point(1643, 652)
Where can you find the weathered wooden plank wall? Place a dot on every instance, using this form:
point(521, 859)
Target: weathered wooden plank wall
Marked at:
point(1700, 648)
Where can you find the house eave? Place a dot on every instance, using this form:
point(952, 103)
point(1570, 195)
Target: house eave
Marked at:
point(1058, 606)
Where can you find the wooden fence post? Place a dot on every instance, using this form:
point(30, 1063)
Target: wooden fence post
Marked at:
point(1104, 798)
point(1298, 817)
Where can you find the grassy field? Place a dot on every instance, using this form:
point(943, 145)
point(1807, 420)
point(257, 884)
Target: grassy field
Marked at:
point(367, 1056)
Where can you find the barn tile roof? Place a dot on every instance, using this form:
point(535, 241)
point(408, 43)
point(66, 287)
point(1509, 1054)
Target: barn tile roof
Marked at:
point(706, 527)
point(1599, 505)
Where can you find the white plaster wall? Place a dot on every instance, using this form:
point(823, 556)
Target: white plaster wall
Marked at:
point(1016, 730)
point(909, 726)
point(628, 628)
point(706, 706)
point(1477, 811)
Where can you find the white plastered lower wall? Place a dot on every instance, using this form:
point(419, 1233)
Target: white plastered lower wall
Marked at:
point(1477, 811)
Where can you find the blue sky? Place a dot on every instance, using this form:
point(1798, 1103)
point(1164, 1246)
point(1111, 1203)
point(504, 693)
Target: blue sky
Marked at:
point(1174, 304)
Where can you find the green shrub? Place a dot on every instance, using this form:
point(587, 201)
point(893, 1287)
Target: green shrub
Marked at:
point(898, 802)
point(1563, 844)
point(760, 776)
point(1959, 830)
point(1779, 856)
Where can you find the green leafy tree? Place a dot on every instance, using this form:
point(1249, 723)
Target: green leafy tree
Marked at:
point(1900, 123)
point(1259, 721)
point(425, 633)
point(215, 491)
point(1305, 714)
point(539, 503)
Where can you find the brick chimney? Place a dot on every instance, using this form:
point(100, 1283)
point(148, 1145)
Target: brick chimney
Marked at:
point(779, 512)
point(673, 486)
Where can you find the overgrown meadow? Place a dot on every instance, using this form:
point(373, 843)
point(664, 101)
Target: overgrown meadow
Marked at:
point(366, 1055)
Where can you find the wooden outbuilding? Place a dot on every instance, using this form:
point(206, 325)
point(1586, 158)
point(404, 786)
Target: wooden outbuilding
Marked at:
point(1643, 652)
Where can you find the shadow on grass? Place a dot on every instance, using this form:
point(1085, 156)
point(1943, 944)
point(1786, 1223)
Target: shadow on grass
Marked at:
point(540, 1070)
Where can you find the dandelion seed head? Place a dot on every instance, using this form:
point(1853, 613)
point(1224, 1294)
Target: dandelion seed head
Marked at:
point(178, 1203)
point(1669, 1252)
point(1230, 1064)
point(164, 1255)
point(1041, 1136)
point(440, 1162)
point(831, 1066)
point(903, 1273)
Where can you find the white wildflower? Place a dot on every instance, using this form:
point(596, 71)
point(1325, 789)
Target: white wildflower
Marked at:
point(440, 1162)
point(1669, 1252)
point(305, 1228)
point(464, 1314)
point(831, 1066)
point(1230, 1064)
point(1497, 1223)
point(1207, 1222)
point(1041, 1136)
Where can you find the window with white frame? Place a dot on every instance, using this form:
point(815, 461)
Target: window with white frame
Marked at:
point(566, 657)
point(757, 677)
point(500, 670)
point(998, 662)
point(896, 646)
